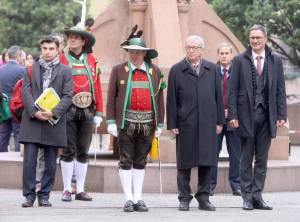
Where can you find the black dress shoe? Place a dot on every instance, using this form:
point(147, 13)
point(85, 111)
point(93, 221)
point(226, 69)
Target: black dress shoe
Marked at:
point(206, 205)
point(83, 196)
point(184, 206)
point(237, 192)
point(247, 205)
point(67, 196)
point(140, 206)
point(129, 206)
point(44, 203)
point(261, 205)
point(211, 193)
point(28, 203)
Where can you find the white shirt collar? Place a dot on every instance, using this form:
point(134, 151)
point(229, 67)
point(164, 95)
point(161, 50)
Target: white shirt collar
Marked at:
point(254, 55)
point(142, 67)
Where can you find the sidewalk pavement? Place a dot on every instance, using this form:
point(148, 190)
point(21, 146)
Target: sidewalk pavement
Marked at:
point(107, 207)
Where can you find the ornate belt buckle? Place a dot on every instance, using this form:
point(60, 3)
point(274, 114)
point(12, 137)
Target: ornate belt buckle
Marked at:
point(82, 99)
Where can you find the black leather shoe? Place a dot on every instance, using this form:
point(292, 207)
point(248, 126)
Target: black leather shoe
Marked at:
point(27, 203)
point(237, 192)
point(206, 205)
point(83, 196)
point(261, 205)
point(44, 203)
point(67, 196)
point(129, 206)
point(211, 193)
point(247, 205)
point(140, 206)
point(184, 206)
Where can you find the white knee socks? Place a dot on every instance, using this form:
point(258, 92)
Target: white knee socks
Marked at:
point(80, 172)
point(126, 181)
point(138, 180)
point(67, 172)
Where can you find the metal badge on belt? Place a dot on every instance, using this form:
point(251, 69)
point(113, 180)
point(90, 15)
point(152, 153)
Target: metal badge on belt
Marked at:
point(82, 99)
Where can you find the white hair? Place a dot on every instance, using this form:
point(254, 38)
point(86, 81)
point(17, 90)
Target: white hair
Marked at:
point(197, 39)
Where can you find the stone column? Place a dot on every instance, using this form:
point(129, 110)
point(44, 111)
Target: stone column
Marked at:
point(137, 13)
point(183, 10)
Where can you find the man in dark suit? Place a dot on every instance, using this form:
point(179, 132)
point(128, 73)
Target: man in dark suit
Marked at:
point(10, 73)
point(36, 131)
point(232, 139)
point(257, 106)
point(194, 113)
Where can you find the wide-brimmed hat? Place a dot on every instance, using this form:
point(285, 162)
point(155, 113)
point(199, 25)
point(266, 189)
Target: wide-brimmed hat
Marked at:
point(85, 33)
point(139, 44)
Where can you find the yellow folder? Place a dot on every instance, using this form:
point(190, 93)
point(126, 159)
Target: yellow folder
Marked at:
point(47, 100)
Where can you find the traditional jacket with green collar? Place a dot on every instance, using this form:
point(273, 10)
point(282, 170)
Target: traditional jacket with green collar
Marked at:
point(119, 91)
point(86, 77)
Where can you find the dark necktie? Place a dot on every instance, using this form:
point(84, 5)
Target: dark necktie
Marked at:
point(225, 87)
point(258, 67)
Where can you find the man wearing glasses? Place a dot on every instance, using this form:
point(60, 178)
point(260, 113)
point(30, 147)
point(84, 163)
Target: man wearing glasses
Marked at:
point(194, 113)
point(257, 106)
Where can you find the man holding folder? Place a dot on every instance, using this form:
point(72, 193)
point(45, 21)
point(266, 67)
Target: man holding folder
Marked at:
point(36, 130)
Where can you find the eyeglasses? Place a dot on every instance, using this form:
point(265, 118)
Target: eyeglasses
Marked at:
point(188, 48)
point(258, 38)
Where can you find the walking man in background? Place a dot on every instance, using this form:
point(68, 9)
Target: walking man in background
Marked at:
point(10, 73)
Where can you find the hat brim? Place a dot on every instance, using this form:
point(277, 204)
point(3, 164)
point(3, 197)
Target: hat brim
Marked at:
point(151, 53)
point(87, 35)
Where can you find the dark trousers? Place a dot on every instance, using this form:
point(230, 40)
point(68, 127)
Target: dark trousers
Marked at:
point(79, 134)
point(6, 128)
point(134, 148)
point(29, 170)
point(253, 178)
point(203, 187)
point(234, 151)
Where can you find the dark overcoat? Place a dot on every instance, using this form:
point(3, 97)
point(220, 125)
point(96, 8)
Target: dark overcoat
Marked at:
point(42, 132)
point(195, 107)
point(241, 97)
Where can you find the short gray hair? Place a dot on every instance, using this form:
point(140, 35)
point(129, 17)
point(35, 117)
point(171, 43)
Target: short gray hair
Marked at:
point(225, 44)
point(261, 28)
point(197, 38)
point(14, 51)
point(60, 37)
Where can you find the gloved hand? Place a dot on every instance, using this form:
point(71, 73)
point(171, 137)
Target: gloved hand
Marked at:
point(97, 120)
point(112, 129)
point(158, 132)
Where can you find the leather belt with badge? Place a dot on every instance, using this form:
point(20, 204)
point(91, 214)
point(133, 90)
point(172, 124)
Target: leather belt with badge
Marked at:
point(82, 99)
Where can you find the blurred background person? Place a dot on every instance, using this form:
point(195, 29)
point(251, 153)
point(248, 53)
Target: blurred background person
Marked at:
point(10, 73)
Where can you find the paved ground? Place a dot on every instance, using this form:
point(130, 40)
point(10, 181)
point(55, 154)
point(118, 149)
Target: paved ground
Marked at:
point(163, 207)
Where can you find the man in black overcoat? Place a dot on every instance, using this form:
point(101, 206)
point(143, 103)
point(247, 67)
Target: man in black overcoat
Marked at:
point(257, 106)
point(194, 113)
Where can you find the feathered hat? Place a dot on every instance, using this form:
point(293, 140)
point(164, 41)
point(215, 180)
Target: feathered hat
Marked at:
point(134, 41)
point(82, 27)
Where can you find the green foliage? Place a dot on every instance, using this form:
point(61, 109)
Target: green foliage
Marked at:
point(25, 22)
point(281, 17)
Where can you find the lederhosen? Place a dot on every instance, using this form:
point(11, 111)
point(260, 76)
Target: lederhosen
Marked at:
point(136, 136)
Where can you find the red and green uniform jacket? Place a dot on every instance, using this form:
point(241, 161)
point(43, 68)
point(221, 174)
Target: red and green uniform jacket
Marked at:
point(86, 77)
point(125, 85)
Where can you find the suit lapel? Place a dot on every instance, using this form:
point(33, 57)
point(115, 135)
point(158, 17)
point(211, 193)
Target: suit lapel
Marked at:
point(36, 72)
point(202, 69)
point(54, 73)
point(270, 70)
point(248, 78)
